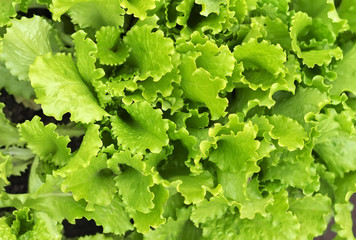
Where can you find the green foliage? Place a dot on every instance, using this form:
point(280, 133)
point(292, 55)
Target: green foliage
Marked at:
point(201, 119)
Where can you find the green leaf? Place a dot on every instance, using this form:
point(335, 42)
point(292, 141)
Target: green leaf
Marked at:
point(138, 8)
point(210, 6)
point(140, 127)
point(233, 152)
point(89, 149)
point(292, 168)
point(235, 156)
point(144, 221)
point(26, 39)
point(45, 142)
point(85, 55)
point(26, 225)
point(7, 11)
point(336, 145)
point(343, 221)
point(60, 88)
point(312, 213)
point(193, 188)
point(101, 189)
point(344, 187)
point(263, 64)
point(207, 210)
point(347, 11)
point(111, 48)
point(5, 230)
point(149, 63)
point(134, 187)
point(301, 25)
point(9, 134)
point(58, 206)
point(288, 132)
point(198, 85)
point(278, 224)
point(5, 170)
point(178, 228)
point(90, 13)
point(345, 74)
point(298, 106)
point(13, 85)
point(247, 99)
point(218, 61)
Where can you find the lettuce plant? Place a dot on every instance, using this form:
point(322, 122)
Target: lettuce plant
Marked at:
point(205, 119)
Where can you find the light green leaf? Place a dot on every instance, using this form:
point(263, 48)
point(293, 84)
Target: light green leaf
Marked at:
point(343, 221)
point(336, 145)
point(85, 54)
point(218, 61)
point(134, 187)
point(288, 132)
point(113, 218)
point(233, 152)
point(246, 99)
point(347, 11)
point(208, 210)
point(263, 64)
point(7, 11)
point(13, 85)
point(90, 13)
point(5, 170)
point(5, 230)
point(9, 134)
point(292, 168)
point(144, 221)
point(346, 74)
point(210, 6)
point(305, 101)
point(88, 150)
point(45, 142)
point(177, 228)
point(140, 127)
point(312, 213)
point(111, 49)
point(198, 85)
point(125, 157)
point(311, 56)
point(58, 206)
point(279, 223)
point(235, 156)
point(151, 52)
point(138, 8)
point(95, 183)
point(26, 39)
point(60, 89)
point(193, 188)
point(254, 203)
point(344, 187)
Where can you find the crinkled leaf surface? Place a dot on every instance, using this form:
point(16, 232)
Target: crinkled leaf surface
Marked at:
point(90, 13)
point(149, 63)
point(85, 52)
point(9, 134)
point(111, 49)
point(140, 127)
point(60, 89)
point(138, 8)
point(45, 142)
point(26, 39)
